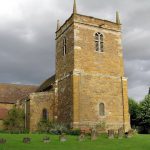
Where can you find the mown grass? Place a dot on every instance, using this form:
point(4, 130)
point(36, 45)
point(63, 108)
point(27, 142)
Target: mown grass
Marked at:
point(14, 142)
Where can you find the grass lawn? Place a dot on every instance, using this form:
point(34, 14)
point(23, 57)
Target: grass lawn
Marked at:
point(14, 142)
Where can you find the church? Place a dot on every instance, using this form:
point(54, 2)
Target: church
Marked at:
point(89, 86)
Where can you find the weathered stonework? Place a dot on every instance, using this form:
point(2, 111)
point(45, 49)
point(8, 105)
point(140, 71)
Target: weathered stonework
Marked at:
point(38, 102)
point(84, 79)
point(87, 78)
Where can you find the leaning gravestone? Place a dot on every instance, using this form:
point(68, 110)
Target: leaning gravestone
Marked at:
point(129, 134)
point(26, 140)
point(120, 133)
point(111, 134)
point(93, 134)
point(81, 137)
point(62, 138)
point(2, 141)
point(46, 140)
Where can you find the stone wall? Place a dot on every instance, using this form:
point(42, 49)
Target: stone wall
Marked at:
point(64, 69)
point(98, 75)
point(87, 78)
point(65, 100)
point(38, 102)
point(91, 90)
point(126, 115)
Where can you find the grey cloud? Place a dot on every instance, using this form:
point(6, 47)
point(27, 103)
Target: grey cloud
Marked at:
point(27, 42)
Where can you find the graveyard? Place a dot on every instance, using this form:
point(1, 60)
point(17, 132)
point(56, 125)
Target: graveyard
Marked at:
point(52, 142)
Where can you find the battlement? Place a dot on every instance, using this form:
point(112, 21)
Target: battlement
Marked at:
point(88, 21)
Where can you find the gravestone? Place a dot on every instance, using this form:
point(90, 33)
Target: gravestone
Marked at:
point(46, 140)
point(2, 141)
point(93, 134)
point(120, 133)
point(81, 137)
point(62, 138)
point(129, 134)
point(111, 134)
point(26, 140)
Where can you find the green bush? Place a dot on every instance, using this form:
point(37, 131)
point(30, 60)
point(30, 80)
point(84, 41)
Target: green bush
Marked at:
point(74, 132)
point(57, 128)
point(44, 126)
point(14, 122)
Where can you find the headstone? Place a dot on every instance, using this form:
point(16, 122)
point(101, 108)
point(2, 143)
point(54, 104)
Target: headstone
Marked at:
point(129, 134)
point(93, 134)
point(62, 138)
point(120, 133)
point(81, 137)
point(86, 131)
point(111, 134)
point(2, 141)
point(46, 139)
point(26, 140)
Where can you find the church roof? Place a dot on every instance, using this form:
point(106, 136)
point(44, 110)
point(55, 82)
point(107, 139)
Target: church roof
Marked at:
point(10, 93)
point(47, 84)
point(7, 101)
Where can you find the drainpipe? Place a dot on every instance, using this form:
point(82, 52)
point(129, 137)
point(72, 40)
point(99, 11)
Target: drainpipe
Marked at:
point(25, 111)
point(123, 103)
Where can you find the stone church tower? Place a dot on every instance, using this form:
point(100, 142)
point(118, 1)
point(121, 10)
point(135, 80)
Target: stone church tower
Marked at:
point(91, 87)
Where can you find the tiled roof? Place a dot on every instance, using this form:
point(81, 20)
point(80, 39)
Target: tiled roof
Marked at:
point(10, 93)
point(46, 85)
point(8, 101)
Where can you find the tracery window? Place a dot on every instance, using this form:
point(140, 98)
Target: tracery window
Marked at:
point(99, 42)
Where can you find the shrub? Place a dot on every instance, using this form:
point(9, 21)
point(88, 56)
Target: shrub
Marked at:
point(57, 128)
point(14, 121)
point(74, 132)
point(44, 126)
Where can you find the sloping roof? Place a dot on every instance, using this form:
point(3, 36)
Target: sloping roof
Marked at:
point(3, 113)
point(10, 93)
point(46, 84)
point(8, 101)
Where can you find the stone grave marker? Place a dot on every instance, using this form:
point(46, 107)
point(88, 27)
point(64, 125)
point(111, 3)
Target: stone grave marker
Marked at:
point(46, 140)
point(81, 137)
point(2, 141)
point(120, 133)
point(129, 134)
point(111, 134)
point(62, 138)
point(93, 134)
point(26, 140)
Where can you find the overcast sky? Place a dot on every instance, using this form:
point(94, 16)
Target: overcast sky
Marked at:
point(27, 38)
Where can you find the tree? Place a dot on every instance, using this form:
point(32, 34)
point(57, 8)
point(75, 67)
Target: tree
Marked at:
point(14, 121)
point(134, 112)
point(144, 114)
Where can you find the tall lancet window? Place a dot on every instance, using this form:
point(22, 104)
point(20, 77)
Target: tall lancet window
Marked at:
point(64, 46)
point(101, 109)
point(99, 42)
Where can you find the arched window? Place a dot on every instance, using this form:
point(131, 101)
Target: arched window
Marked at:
point(99, 42)
point(45, 114)
point(64, 46)
point(101, 109)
